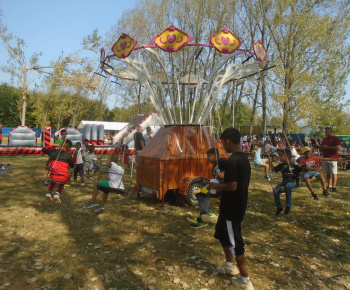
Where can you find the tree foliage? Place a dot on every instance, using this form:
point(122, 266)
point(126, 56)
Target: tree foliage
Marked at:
point(306, 41)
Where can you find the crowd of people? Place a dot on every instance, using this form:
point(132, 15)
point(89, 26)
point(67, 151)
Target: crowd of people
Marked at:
point(295, 160)
point(84, 163)
point(302, 161)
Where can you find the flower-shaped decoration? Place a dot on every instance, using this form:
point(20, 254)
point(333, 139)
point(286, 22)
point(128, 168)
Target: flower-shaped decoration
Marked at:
point(225, 41)
point(260, 51)
point(171, 39)
point(124, 45)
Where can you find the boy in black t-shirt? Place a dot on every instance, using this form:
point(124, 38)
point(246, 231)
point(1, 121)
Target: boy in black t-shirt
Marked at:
point(233, 205)
point(203, 195)
point(290, 174)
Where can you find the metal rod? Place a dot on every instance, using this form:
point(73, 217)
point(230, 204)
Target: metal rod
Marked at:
point(96, 73)
point(248, 58)
point(106, 64)
point(264, 69)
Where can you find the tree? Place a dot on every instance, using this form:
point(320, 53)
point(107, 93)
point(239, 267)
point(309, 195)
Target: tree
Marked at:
point(9, 109)
point(17, 65)
point(308, 69)
point(71, 73)
point(310, 52)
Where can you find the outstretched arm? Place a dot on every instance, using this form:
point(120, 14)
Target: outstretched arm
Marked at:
point(229, 186)
point(109, 159)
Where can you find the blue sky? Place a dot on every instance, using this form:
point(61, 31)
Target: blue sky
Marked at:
point(51, 27)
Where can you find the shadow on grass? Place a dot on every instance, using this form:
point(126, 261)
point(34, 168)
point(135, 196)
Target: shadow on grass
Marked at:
point(133, 242)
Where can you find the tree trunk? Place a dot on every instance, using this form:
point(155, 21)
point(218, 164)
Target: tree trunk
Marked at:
point(233, 104)
point(239, 98)
point(24, 97)
point(263, 97)
point(224, 106)
point(254, 108)
point(286, 105)
point(285, 125)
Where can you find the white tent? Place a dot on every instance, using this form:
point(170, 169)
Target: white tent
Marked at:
point(112, 126)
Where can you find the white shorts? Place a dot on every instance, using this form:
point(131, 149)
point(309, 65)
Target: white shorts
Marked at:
point(260, 163)
point(330, 167)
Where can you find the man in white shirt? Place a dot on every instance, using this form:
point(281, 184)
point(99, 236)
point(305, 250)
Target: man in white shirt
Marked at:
point(148, 136)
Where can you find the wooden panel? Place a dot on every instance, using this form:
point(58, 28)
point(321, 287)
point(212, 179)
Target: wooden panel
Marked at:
point(176, 152)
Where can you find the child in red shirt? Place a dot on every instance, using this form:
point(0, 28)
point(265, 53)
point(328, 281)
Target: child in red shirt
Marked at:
point(60, 160)
point(312, 164)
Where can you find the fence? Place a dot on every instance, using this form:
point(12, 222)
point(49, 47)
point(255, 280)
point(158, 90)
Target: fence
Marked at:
point(6, 130)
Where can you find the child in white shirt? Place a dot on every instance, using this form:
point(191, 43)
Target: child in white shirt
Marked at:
point(115, 181)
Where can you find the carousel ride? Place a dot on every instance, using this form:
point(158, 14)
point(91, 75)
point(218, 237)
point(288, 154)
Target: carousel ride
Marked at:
point(175, 159)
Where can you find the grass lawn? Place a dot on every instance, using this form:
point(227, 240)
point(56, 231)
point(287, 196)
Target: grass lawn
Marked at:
point(135, 245)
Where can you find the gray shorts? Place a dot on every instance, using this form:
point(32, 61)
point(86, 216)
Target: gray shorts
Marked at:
point(330, 167)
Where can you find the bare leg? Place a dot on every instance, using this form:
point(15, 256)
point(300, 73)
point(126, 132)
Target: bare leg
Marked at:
point(329, 180)
point(266, 169)
point(334, 179)
point(94, 193)
point(104, 198)
point(242, 265)
point(95, 171)
point(323, 183)
point(308, 184)
point(228, 254)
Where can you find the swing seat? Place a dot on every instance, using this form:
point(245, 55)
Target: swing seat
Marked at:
point(61, 178)
point(117, 190)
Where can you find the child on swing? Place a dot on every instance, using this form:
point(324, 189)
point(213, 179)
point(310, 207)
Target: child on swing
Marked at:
point(258, 162)
point(203, 195)
point(115, 181)
point(60, 161)
point(57, 144)
point(312, 165)
point(290, 175)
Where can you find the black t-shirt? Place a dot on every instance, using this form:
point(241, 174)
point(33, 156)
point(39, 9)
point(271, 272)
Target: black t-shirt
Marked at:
point(219, 167)
point(233, 204)
point(138, 137)
point(289, 172)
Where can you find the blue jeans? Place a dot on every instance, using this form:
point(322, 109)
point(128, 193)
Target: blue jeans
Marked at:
point(203, 202)
point(288, 186)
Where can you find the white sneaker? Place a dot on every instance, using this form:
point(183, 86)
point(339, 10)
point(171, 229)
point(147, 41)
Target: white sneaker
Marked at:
point(49, 197)
point(228, 269)
point(82, 184)
point(56, 198)
point(245, 285)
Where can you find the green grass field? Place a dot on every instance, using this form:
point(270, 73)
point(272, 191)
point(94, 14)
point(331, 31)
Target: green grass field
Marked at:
point(135, 245)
